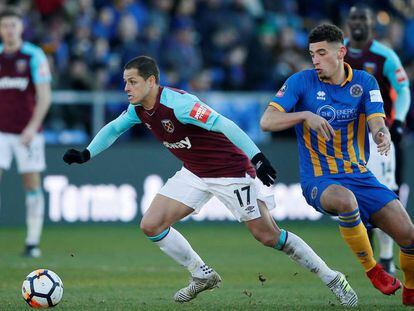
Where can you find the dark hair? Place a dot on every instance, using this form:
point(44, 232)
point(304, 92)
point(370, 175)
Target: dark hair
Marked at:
point(146, 67)
point(326, 32)
point(11, 12)
point(362, 7)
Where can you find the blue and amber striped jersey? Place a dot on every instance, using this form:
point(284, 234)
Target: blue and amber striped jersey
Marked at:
point(347, 107)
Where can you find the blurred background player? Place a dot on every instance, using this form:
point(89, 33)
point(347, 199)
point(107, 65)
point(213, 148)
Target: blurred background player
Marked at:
point(330, 107)
point(24, 101)
point(365, 53)
point(217, 161)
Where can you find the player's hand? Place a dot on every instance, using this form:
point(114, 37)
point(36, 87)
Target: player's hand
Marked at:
point(320, 125)
point(27, 135)
point(76, 156)
point(383, 141)
point(397, 131)
point(264, 170)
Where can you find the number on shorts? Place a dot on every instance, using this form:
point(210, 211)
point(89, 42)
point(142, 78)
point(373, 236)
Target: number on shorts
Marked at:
point(239, 197)
point(386, 168)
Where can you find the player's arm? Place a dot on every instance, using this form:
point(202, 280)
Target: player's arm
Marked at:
point(399, 81)
point(265, 172)
point(193, 111)
point(105, 137)
point(41, 76)
point(380, 133)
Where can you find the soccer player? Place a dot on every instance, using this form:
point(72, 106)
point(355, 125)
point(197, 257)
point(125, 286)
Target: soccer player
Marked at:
point(218, 158)
point(25, 99)
point(367, 54)
point(330, 107)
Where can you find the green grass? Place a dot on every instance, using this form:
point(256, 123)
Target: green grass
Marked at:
point(117, 268)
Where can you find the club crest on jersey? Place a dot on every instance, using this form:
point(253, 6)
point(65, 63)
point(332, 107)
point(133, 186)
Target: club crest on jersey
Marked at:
point(356, 90)
point(314, 193)
point(200, 113)
point(320, 95)
point(168, 125)
point(21, 65)
point(282, 91)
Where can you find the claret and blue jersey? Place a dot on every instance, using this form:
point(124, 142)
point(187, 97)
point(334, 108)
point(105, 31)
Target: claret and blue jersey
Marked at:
point(347, 107)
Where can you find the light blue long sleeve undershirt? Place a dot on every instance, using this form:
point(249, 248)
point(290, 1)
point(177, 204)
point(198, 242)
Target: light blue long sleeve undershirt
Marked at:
point(402, 103)
point(110, 133)
point(236, 135)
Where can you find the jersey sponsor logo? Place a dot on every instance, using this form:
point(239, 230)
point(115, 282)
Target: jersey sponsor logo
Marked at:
point(282, 91)
point(168, 125)
point(21, 65)
point(182, 144)
point(340, 115)
point(370, 67)
point(375, 96)
point(356, 90)
point(401, 75)
point(148, 125)
point(14, 83)
point(200, 113)
point(321, 95)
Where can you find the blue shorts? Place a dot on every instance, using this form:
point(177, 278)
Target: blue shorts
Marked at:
point(370, 194)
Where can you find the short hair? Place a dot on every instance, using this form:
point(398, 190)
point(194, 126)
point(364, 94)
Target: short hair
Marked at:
point(362, 7)
point(326, 32)
point(146, 66)
point(11, 12)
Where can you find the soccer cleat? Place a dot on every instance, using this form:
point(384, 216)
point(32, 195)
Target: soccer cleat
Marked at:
point(32, 251)
point(343, 291)
point(196, 286)
point(388, 265)
point(384, 282)
point(408, 296)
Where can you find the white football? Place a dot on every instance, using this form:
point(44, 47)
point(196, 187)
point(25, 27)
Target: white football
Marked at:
point(42, 288)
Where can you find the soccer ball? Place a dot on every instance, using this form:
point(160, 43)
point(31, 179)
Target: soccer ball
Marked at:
point(42, 288)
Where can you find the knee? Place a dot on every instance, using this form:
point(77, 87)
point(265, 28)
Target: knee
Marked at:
point(342, 200)
point(149, 228)
point(406, 239)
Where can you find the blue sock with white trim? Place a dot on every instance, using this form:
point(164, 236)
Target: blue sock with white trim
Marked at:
point(172, 243)
point(303, 255)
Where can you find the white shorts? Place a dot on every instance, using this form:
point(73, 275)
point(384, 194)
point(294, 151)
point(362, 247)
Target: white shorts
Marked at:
point(239, 195)
point(29, 159)
point(382, 166)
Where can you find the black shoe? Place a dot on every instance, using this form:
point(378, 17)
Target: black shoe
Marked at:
point(388, 265)
point(32, 251)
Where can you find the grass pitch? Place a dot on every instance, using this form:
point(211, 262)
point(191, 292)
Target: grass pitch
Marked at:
point(105, 267)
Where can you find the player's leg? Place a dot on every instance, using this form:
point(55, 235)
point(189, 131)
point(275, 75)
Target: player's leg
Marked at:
point(35, 208)
point(340, 200)
point(394, 220)
point(384, 169)
point(179, 197)
point(265, 230)
point(30, 162)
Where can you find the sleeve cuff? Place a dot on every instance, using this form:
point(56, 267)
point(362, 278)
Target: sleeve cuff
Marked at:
point(374, 115)
point(277, 106)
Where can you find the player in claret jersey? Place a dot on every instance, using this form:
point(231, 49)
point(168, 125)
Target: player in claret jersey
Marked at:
point(219, 160)
point(24, 102)
point(332, 107)
point(367, 54)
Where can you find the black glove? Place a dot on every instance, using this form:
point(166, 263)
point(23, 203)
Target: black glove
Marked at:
point(75, 156)
point(265, 172)
point(397, 131)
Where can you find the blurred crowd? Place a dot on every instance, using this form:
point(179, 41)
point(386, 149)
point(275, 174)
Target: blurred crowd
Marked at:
point(201, 45)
